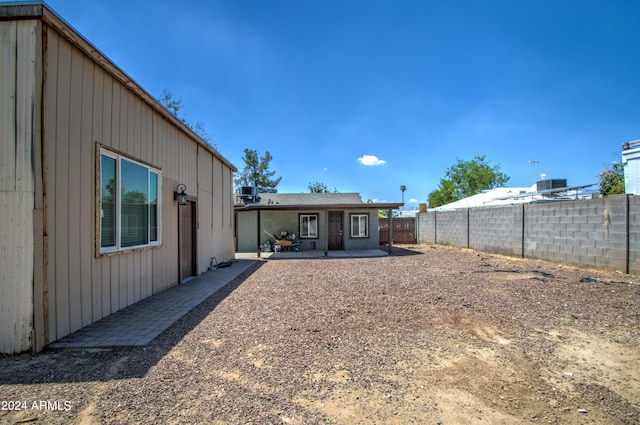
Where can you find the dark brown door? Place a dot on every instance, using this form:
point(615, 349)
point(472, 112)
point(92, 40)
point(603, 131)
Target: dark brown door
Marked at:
point(187, 241)
point(335, 230)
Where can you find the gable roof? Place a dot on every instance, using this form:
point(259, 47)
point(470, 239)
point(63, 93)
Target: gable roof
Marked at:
point(309, 198)
point(284, 201)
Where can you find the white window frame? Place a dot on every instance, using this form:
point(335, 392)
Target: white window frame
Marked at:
point(360, 234)
point(301, 220)
point(118, 233)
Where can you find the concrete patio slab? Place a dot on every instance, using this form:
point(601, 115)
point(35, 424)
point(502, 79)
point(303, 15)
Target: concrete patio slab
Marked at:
point(315, 254)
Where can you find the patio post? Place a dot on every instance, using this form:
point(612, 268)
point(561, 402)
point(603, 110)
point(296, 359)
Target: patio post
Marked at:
point(390, 229)
point(326, 232)
point(258, 228)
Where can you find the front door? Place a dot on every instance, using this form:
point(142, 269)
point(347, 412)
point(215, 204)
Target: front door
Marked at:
point(335, 230)
point(187, 241)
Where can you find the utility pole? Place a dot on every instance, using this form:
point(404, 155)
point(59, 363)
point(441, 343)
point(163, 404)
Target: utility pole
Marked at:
point(533, 166)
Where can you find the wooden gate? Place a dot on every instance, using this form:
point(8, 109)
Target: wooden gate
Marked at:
point(404, 230)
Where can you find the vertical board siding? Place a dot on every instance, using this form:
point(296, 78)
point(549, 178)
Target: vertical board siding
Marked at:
point(165, 271)
point(61, 213)
point(49, 165)
point(217, 194)
point(25, 176)
point(76, 204)
point(87, 209)
point(57, 106)
point(25, 106)
point(18, 47)
point(204, 207)
point(8, 42)
point(39, 234)
point(16, 279)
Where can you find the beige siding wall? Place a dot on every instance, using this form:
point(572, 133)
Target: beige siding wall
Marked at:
point(18, 102)
point(85, 105)
point(215, 218)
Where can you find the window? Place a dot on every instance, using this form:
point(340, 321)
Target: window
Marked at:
point(359, 225)
point(129, 201)
point(309, 226)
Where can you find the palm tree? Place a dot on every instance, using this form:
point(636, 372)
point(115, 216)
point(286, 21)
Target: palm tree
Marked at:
point(402, 189)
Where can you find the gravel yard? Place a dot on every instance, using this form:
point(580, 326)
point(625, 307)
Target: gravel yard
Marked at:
point(430, 335)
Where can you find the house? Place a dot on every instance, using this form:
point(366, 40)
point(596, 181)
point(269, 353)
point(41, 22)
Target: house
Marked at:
point(631, 163)
point(548, 190)
point(105, 197)
point(319, 221)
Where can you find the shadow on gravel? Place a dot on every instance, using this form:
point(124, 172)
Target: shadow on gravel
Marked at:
point(398, 251)
point(106, 364)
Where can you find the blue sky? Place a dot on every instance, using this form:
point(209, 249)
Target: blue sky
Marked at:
point(368, 95)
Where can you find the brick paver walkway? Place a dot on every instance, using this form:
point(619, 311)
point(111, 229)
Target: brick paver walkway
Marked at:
point(140, 323)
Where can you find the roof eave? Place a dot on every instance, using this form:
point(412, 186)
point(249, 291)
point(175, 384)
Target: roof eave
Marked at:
point(373, 206)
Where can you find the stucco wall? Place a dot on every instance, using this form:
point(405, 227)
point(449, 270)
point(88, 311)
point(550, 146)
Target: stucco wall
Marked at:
point(276, 221)
point(372, 242)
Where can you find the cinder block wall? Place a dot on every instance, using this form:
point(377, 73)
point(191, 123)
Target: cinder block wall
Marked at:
point(598, 233)
point(452, 228)
point(634, 234)
point(585, 233)
point(426, 228)
point(497, 230)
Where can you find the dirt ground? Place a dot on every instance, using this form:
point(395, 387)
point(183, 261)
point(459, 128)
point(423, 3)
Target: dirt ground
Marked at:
point(430, 335)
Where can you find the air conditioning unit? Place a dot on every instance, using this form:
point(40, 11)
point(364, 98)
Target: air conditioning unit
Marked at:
point(248, 192)
point(551, 184)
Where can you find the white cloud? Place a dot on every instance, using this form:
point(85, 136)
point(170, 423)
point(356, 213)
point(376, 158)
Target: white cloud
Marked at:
point(370, 160)
point(412, 201)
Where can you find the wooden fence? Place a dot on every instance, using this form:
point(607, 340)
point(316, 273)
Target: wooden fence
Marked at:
point(404, 230)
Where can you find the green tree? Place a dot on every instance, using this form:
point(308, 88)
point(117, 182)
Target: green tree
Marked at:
point(612, 180)
point(443, 195)
point(174, 106)
point(466, 178)
point(318, 187)
point(256, 172)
